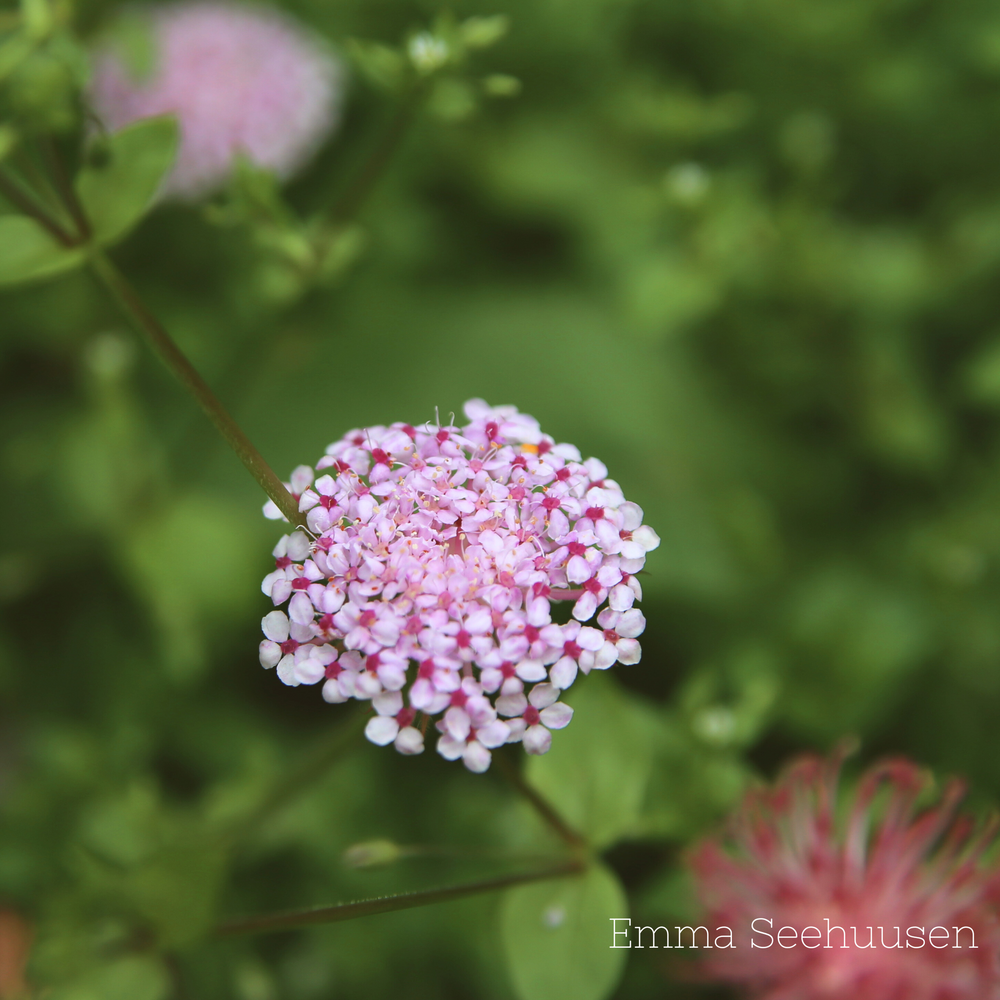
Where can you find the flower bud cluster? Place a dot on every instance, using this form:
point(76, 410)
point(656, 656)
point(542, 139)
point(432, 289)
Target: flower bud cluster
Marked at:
point(427, 585)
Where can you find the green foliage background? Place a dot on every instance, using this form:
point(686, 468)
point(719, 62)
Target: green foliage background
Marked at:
point(745, 252)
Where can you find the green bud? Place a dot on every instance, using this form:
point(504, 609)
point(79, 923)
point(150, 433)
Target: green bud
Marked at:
point(502, 85)
point(36, 15)
point(42, 90)
point(372, 854)
point(427, 52)
point(482, 32)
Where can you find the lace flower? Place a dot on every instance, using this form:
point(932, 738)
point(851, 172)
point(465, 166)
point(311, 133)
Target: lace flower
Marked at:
point(427, 585)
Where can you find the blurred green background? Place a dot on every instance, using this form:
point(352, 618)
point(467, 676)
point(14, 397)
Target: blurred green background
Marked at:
point(744, 252)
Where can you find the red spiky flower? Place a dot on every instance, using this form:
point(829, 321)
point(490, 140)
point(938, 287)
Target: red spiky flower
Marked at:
point(912, 890)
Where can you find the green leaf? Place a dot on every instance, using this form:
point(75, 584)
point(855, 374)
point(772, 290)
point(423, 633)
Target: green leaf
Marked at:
point(13, 52)
point(117, 191)
point(598, 768)
point(27, 251)
point(557, 936)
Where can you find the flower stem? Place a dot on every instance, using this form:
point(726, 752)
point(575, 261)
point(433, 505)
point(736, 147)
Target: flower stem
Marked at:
point(64, 186)
point(386, 904)
point(172, 356)
point(25, 203)
point(538, 803)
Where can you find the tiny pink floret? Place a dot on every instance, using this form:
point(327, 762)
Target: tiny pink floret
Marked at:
point(427, 579)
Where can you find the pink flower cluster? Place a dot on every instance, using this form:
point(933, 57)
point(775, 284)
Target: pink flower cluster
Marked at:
point(240, 79)
point(427, 583)
point(883, 902)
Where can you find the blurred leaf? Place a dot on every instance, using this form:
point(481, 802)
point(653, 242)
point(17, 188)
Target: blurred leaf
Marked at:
point(37, 16)
point(132, 978)
point(384, 66)
point(27, 251)
point(667, 294)
point(8, 141)
point(121, 187)
point(338, 250)
point(855, 639)
point(130, 37)
point(184, 557)
point(729, 707)
point(901, 419)
point(253, 196)
point(177, 890)
point(556, 936)
point(452, 100)
point(982, 375)
point(13, 51)
point(161, 865)
point(596, 772)
point(693, 781)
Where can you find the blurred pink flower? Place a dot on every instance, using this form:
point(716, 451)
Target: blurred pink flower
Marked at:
point(884, 872)
point(428, 583)
point(241, 80)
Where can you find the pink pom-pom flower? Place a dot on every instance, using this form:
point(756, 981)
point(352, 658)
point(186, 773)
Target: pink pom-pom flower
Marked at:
point(426, 582)
point(874, 901)
point(242, 80)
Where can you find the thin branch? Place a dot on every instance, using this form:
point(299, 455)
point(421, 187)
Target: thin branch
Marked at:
point(36, 179)
point(312, 767)
point(543, 808)
point(387, 904)
point(363, 183)
point(344, 208)
point(25, 203)
point(174, 359)
point(65, 187)
point(451, 852)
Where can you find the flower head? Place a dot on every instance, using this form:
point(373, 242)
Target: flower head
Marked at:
point(241, 80)
point(427, 585)
point(911, 884)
